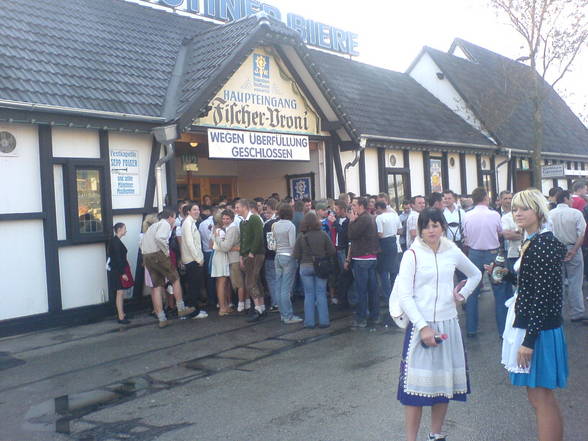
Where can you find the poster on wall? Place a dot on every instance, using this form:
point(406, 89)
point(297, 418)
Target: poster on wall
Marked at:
point(124, 172)
point(262, 96)
point(236, 144)
point(436, 180)
point(301, 186)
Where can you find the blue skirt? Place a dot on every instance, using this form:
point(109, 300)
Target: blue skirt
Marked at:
point(549, 363)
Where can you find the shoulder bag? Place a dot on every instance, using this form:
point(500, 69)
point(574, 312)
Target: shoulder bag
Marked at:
point(323, 266)
point(396, 312)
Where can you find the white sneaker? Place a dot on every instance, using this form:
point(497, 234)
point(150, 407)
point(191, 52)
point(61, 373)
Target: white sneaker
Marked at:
point(292, 321)
point(334, 301)
point(201, 315)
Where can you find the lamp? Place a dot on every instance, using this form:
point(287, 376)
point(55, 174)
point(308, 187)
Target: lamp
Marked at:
point(193, 144)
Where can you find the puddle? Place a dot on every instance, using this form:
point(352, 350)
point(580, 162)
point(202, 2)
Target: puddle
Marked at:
point(7, 361)
point(57, 414)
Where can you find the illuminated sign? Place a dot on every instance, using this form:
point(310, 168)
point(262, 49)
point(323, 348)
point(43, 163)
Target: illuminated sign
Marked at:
point(233, 144)
point(261, 95)
point(313, 33)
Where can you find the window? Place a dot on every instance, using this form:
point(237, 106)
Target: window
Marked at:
point(436, 175)
point(89, 201)
point(396, 190)
point(88, 210)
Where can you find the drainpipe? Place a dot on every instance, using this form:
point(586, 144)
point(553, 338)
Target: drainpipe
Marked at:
point(165, 135)
point(362, 145)
point(500, 165)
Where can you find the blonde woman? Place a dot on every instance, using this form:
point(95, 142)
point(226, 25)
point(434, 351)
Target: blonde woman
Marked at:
point(534, 348)
point(220, 262)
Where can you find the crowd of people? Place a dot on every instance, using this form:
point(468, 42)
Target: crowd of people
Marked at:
point(254, 257)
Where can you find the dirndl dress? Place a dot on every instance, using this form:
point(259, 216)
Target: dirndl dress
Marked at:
point(433, 375)
point(549, 362)
point(220, 259)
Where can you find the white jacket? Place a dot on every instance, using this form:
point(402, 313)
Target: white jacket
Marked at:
point(190, 245)
point(431, 298)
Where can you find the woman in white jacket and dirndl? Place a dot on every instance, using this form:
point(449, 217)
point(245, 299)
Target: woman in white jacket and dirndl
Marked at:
point(433, 369)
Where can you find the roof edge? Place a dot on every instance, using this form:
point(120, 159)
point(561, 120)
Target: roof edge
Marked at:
point(86, 112)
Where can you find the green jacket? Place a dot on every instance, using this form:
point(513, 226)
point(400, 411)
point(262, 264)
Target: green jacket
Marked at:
point(251, 236)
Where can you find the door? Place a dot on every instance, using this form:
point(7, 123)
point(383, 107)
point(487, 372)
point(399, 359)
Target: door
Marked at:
point(195, 188)
point(523, 180)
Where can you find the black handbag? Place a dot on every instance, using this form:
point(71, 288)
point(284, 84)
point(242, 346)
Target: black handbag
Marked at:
point(323, 266)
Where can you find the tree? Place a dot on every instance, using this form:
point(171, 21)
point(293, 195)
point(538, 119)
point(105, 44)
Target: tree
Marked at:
point(555, 31)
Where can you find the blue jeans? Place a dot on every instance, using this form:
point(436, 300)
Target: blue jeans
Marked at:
point(285, 270)
point(481, 258)
point(387, 265)
point(209, 282)
point(270, 279)
point(315, 295)
point(364, 273)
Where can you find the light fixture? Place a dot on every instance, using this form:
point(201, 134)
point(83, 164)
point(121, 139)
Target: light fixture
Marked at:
point(193, 144)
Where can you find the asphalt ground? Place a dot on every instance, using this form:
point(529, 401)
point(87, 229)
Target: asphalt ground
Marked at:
point(226, 379)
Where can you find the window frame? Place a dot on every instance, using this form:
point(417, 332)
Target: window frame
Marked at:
point(73, 234)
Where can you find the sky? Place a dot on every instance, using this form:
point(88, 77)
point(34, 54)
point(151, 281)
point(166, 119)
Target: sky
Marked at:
point(392, 33)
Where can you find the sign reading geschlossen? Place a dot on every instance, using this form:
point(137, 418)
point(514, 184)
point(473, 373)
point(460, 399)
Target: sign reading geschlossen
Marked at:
point(235, 144)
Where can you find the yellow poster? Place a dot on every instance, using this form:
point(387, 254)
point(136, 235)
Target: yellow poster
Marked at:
point(262, 96)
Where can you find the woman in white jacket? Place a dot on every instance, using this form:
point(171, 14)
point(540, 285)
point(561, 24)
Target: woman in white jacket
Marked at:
point(432, 371)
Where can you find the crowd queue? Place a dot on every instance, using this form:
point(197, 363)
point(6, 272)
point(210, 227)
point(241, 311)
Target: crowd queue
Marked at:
point(253, 257)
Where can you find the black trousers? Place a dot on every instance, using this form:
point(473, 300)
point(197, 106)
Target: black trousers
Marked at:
point(194, 281)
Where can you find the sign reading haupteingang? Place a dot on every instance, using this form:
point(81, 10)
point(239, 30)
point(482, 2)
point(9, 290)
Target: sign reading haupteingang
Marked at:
point(262, 96)
point(237, 144)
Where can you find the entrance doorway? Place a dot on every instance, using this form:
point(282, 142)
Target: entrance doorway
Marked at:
point(217, 187)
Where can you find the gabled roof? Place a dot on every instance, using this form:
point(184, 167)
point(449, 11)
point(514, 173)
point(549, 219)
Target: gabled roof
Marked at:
point(213, 56)
point(498, 90)
point(106, 55)
point(385, 103)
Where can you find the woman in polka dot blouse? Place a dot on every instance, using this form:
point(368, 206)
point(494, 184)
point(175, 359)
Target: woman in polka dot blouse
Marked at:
point(534, 348)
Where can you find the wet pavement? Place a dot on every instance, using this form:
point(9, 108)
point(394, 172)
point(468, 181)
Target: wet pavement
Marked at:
point(226, 379)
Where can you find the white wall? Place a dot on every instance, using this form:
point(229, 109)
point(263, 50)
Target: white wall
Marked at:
point(352, 175)
point(371, 171)
point(398, 154)
point(502, 178)
point(20, 179)
point(563, 183)
point(546, 184)
point(454, 177)
point(417, 174)
point(142, 145)
point(83, 275)
point(59, 202)
point(131, 239)
point(424, 72)
point(471, 173)
point(75, 143)
point(22, 269)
